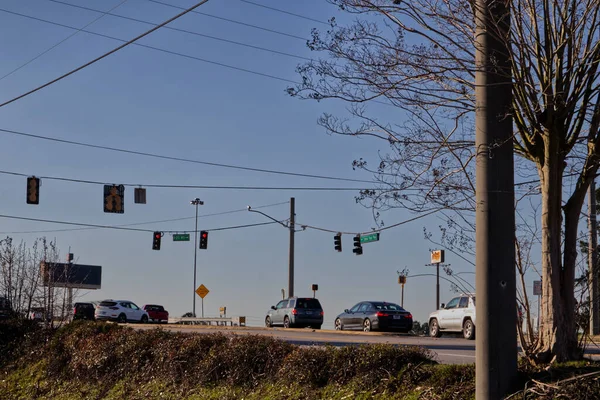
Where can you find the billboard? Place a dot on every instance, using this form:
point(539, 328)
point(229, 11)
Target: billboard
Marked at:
point(69, 275)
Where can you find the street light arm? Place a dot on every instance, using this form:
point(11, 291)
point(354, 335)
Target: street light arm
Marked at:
point(268, 216)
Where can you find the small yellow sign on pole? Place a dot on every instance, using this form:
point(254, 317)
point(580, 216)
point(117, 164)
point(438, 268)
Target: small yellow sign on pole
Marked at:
point(202, 291)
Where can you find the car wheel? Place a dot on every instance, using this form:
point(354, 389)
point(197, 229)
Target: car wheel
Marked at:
point(268, 322)
point(434, 328)
point(338, 325)
point(367, 325)
point(469, 329)
point(122, 318)
point(286, 322)
point(144, 319)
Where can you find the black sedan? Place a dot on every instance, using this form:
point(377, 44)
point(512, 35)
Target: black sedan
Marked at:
point(371, 315)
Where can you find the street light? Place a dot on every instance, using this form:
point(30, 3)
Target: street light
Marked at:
point(291, 227)
point(196, 202)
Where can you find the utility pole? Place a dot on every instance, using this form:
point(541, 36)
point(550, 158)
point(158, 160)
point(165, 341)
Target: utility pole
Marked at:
point(496, 338)
point(196, 202)
point(291, 260)
point(593, 261)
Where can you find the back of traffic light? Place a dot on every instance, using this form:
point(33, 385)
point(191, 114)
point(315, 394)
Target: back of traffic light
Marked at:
point(337, 242)
point(203, 239)
point(357, 246)
point(33, 190)
point(156, 240)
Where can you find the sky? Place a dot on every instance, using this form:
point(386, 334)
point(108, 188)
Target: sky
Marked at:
point(214, 111)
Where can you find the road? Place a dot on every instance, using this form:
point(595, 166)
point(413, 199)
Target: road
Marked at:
point(448, 350)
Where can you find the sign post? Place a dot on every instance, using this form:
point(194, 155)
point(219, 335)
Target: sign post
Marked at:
point(314, 288)
point(437, 257)
point(202, 291)
point(402, 281)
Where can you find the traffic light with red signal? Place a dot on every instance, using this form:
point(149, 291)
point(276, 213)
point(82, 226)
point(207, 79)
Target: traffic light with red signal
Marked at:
point(203, 239)
point(156, 240)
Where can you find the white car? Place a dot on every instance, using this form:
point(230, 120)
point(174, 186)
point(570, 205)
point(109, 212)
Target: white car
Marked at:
point(456, 316)
point(120, 311)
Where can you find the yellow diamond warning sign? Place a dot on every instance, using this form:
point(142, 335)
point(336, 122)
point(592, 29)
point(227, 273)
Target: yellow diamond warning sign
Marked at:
point(202, 291)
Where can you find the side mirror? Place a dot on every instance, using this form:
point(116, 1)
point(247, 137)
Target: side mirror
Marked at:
point(346, 310)
point(273, 308)
point(442, 305)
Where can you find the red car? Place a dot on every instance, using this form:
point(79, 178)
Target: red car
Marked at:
point(157, 313)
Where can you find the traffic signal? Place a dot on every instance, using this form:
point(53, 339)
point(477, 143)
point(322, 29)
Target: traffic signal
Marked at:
point(156, 240)
point(357, 246)
point(203, 239)
point(33, 190)
point(337, 242)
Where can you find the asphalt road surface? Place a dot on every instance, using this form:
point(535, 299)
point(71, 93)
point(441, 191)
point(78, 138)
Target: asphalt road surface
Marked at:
point(448, 350)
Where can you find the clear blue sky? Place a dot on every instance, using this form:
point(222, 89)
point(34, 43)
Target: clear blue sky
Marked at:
point(144, 100)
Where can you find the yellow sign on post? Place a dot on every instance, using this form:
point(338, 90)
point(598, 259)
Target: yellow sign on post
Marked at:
point(202, 291)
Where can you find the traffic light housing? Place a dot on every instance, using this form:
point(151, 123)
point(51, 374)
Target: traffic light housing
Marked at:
point(33, 190)
point(357, 246)
point(203, 239)
point(156, 240)
point(337, 242)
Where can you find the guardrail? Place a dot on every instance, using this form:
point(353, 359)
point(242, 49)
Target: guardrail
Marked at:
point(232, 321)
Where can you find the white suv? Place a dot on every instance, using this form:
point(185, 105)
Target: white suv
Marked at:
point(456, 316)
point(120, 311)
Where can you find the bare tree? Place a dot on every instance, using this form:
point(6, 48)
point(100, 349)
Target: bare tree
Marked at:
point(418, 59)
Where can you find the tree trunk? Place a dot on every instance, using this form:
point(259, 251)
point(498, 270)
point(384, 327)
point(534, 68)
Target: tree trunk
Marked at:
point(558, 337)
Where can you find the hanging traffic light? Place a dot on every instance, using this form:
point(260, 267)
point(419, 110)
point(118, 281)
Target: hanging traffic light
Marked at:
point(156, 240)
point(33, 190)
point(203, 239)
point(337, 242)
point(357, 246)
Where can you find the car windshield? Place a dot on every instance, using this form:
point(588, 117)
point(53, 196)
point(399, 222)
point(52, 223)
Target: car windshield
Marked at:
point(387, 307)
point(308, 303)
point(108, 304)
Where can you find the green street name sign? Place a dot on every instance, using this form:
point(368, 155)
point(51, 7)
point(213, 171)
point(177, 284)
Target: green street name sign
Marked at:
point(372, 237)
point(181, 237)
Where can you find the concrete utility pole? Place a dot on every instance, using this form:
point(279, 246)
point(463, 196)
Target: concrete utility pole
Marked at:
point(196, 202)
point(291, 260)
point(593, 261)
point(496, 338)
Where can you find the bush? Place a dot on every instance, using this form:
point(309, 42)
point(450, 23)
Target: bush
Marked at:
point(19, 336)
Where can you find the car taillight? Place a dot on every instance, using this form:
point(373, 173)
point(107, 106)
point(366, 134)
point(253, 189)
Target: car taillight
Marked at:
point(294, 311)
point(409, 316)
point(74, 311)
point(114, 308)
point(382, 314)
point(322, 313)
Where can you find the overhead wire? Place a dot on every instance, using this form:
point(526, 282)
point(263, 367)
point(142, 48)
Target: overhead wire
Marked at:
point(127, 43)
point(103, 14)
point(232, 21)
point(183, 31)
point(50, 221)
point(220, 187)
point(149, 222)
point(284, 12)
point(187, 160)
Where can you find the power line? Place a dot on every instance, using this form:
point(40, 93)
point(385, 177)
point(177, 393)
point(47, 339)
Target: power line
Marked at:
point(49, 221)
point(184, 31)
point(149, 222)
point(232, 21)
point(285, 12)
point(265, 75)
point(153, 155)
point(103, 13)
point(164, 186)
point(105, 54)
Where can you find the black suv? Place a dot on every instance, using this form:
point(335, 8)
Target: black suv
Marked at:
point(296, 312)
point(84, 311)
point(6, 310)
